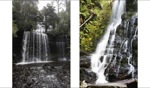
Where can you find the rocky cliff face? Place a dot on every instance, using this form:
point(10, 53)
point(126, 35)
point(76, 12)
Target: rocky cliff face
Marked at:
point(124, 61)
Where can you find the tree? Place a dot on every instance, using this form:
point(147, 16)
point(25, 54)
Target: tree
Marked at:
point(64, 19)
point(15, 29)
point(25, 14)
point(94, 17)
point(50, 17)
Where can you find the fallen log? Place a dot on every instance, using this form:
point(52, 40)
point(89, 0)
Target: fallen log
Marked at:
point(128, 83)
point(108, 85)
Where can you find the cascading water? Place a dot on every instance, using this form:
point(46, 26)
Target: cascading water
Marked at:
point(106, 54)
point(61, 50)
point(35, 46)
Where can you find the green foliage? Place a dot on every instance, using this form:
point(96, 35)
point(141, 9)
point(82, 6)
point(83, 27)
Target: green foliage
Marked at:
point(50, 17)
point(94, 28)
point(15, 29)
point(25, 14)
point(64, 20)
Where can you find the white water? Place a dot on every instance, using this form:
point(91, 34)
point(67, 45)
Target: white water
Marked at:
point(61, 50)
point(35, 46)
point(37, 62)
point(98, 66)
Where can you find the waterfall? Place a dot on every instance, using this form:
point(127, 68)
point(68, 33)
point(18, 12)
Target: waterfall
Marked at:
point(61, 50)
point(35, 46)
point(101, 58)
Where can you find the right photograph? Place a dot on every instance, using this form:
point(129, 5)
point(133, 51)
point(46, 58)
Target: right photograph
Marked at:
point(108, 43)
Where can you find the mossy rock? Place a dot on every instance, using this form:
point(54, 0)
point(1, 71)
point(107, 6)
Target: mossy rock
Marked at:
point(120, 31)
point(127, 15)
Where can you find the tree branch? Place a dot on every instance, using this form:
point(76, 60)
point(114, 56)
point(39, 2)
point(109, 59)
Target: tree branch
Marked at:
point(91, 16)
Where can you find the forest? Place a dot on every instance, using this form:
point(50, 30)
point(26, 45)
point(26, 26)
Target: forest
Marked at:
point(26, 16)
point(94, 18)
point(54, 18)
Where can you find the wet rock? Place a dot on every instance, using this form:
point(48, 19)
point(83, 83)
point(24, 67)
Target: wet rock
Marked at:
point(136, 22)
point(132, 85)
point(118, 39)
point(82, 53)
point(85, 62)
point(124, 16)
point(87, 75)
point(120, 31)
point(42, 75)
point(135, 44)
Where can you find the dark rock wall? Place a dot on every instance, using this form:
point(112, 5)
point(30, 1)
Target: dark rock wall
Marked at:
point(125, 34)
point(17, 47)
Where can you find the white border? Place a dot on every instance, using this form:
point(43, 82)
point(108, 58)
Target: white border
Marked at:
point(144, 43)
point(5, 44)
point(74, 44)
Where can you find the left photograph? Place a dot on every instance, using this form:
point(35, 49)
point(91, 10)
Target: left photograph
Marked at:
point(41, 43)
